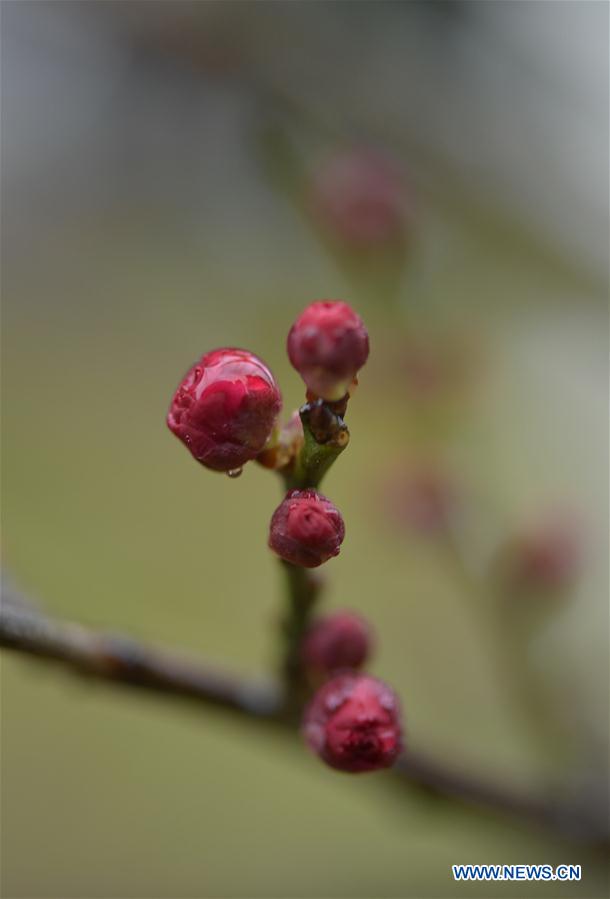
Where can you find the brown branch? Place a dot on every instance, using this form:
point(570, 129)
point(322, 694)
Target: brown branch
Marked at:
point(110, 657)
point(435, 778)
point(127, 663)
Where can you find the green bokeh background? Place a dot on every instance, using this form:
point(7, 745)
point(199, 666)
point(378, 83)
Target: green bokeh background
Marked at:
point(107, 521)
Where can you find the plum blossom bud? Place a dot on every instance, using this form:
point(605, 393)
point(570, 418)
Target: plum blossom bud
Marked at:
point(341, 640)
point(328, 345)
point(358, 198)
point(286, 445)
point(225, 408)
point(353, 723)
point(544, 559)
point(306, 529)
point(422, 499)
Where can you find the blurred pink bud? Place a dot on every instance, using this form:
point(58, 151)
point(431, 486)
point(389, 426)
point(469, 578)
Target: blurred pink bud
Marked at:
point(340, 640)
point(436, 366)
point(545, 558)
point(353, 723)
point(422, 499)
point(359, 198)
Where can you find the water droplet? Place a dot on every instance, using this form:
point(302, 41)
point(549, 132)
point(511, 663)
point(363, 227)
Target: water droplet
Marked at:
point(234, 472)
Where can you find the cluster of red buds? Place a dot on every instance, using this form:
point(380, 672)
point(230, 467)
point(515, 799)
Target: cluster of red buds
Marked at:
point(226, 411)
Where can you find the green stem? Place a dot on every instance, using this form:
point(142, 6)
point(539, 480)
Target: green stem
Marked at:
point(312, 463)
point(325, 438)
point(302, 589)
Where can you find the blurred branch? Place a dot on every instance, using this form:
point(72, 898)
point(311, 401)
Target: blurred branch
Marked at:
point(127, 663)
point(502, 623)
point(117, 658)
point(435, 778)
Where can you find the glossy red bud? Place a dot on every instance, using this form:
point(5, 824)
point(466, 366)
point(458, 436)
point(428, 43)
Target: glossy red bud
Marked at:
point(306, 529)
point(328, 345)
point(225, 408)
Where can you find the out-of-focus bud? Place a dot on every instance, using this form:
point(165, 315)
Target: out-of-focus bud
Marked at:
point(306, 529)
point(225, 408)
point(341, 640)
point(328, 345)
point(285, 445)
point(542, 559)
point(353, 723)
point(358, 197)
point(422, 499)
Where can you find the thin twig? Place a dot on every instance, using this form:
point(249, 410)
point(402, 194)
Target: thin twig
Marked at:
point(302, 589)
point(124, 662)
point(461, 786)
point(117, 658)
point(325, 436)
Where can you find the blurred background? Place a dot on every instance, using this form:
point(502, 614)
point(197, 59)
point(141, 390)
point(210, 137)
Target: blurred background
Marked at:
point(181, 176)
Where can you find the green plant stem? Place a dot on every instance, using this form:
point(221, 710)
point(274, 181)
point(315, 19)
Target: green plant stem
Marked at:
point(325, 437)
point(310, 468)
point(302, 590)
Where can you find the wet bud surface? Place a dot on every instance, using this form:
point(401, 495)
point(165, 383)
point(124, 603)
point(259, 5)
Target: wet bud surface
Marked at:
point(353, 723)
point(328, 345)
point(306, 529)
point(341, 640)
point(225, 408)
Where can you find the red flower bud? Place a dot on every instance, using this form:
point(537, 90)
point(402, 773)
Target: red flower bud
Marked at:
point(225, 408)
point(423, 499)
point(342, 640)
point(358, 198)
point(328, 345)
point(546, 558)
point(306, 529)
point(353, 723)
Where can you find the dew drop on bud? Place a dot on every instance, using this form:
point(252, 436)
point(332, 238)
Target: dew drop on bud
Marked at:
point(234, 472)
